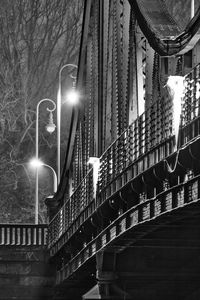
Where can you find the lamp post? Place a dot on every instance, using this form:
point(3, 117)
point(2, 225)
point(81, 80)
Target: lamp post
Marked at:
point(59, 114)
point(51, 129)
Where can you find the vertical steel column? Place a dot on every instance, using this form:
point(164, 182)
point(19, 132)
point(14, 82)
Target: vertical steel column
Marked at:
point(101, 86)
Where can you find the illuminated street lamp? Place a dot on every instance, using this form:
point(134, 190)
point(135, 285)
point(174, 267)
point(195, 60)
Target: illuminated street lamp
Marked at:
point(36, 163)
point(50, 127)
point(72, 97)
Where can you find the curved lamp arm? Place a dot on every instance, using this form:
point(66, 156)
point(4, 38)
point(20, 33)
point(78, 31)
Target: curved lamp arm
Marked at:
point(55, 180)
point(37, 120)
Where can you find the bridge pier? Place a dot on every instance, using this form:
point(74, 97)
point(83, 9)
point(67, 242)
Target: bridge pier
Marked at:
point(107, 286)
point(105, 275)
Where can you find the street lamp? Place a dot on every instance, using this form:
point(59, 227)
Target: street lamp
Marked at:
point(71, 96)
point(36, 163)
point(50, 128)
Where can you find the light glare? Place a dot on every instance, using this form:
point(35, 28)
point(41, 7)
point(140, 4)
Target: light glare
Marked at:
point(36, 163)
point(72, 97)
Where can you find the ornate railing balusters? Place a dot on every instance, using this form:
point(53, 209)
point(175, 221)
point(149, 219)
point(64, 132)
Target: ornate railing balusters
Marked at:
point(142, 135)
point(22, 234)
point(72, 208)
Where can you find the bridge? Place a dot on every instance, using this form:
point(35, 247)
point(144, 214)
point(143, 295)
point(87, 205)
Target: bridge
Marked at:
point(124, 222)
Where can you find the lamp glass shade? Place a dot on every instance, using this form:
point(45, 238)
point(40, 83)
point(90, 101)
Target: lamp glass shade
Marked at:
point(50, 127)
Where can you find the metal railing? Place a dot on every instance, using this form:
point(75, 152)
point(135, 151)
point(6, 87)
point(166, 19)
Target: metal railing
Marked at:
point(73, 208)
point(152, 129)
point(21, 235)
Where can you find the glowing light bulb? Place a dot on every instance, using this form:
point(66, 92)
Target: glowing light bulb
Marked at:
point(36, 163)
point(50, 127)
point(72, 97)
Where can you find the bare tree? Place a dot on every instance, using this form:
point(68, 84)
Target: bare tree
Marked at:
point(36, 38)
